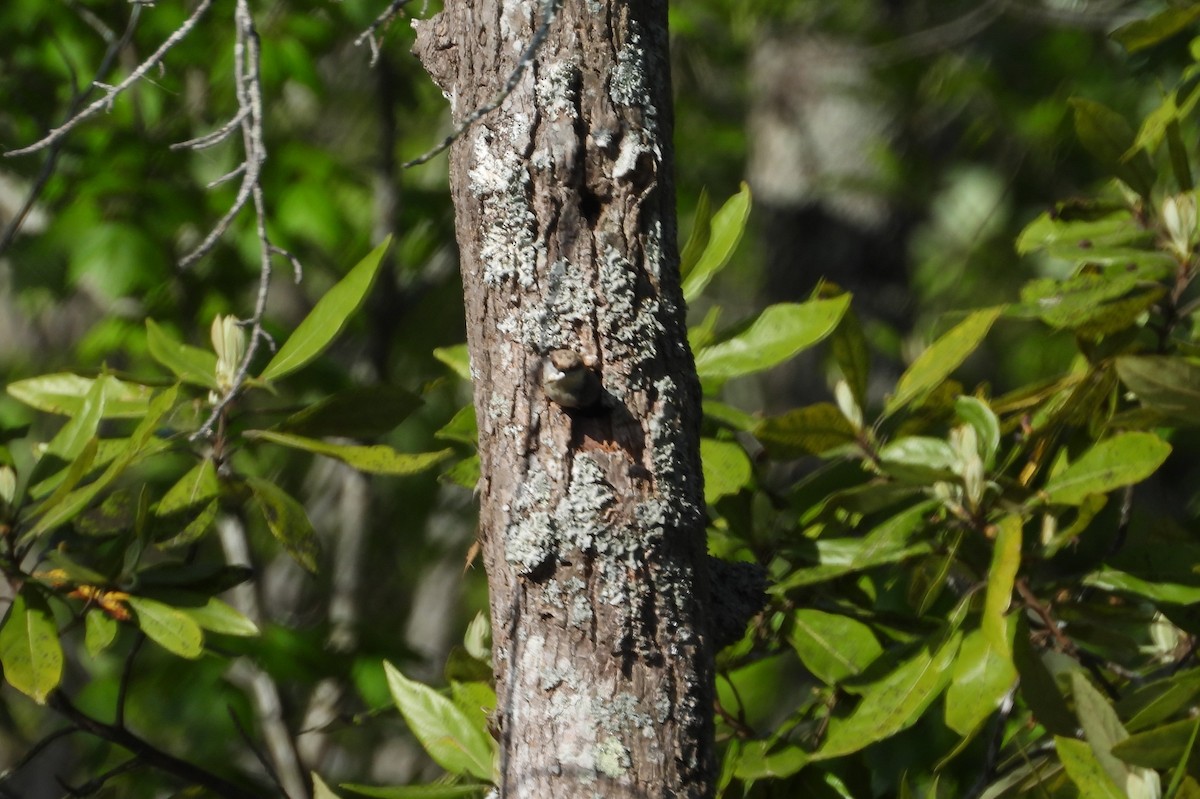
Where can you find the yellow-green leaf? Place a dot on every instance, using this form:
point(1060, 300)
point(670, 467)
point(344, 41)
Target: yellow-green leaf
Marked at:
point(1113, 463)
point(726, 468)
point(1006, 559)
point(724, 234)
point(29, 648)
point(287, 521)
point(1085, 770)
point(780, 332)
point(375, 458)
point(169, 627)
point(190, 364)
point(327, 318)
point(942, 357)
point(64, 394)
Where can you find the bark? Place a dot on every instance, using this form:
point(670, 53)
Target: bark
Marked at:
point(592, 520)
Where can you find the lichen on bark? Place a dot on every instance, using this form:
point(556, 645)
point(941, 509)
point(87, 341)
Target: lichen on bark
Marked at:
point(592, 523)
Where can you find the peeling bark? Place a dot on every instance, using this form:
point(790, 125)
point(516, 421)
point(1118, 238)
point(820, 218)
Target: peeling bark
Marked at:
point(592, 521)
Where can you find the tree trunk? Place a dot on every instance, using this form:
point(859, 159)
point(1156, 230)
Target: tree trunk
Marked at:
point(592, 519)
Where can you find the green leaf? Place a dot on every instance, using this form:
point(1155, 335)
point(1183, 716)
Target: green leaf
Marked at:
point(363, 412)
point(1074, 239)
point(757, 761)
point(1107, 136)
point(832, 646)
point(198, 485)
point(1143, 33)
point(419, 791)
point(218, 617)
point(29, 648)
point(942, 357)
point(1101, 727)
point(887, 543)
point(1085, 770)
point(190, 364)
point(62, 511)
point(462, 427)
point(697, 241)
point(64, 394)
point(457, 358)
point(81, 428)
point(979, 415)
point(1156, 702)
point(1089, 302)
point(726, 469)
point(1038, 686)
point(287, 521)
point(320, 789)
point(849, 348)
point(1157, 590)
point(327, 318)
point(100, 630)
point(465, 473)
point(444, 731)
point(375, 458)
point(894, 703)
point(918, 459)
point(805, 431)
point(1006, 559)
point(169, 627)
point(780, 332)
point(1119, 461)
point(194, 529)
point(727, 226)
point(1160, 747)
point(1169, 385)
point(983, 676)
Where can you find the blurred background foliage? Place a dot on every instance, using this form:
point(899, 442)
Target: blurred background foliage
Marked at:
point(895, 149)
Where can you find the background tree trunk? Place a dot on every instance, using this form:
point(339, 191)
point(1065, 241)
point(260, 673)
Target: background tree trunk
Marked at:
point(592, 520)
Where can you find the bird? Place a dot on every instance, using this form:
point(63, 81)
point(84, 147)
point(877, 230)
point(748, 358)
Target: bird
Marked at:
point(568, 381)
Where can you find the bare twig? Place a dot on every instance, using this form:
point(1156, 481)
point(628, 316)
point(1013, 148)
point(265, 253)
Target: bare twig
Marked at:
point(126, 678)
point(115, 45)
point(549, 10)
point(383, 19)
point(216, 137)
point(112, 92)
point(96, 783)
point(147, 753)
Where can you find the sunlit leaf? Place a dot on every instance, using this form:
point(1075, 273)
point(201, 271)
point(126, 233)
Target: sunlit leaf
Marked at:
point(81, 427)
point(726, 468)
point(832, 646)
point(725, 233)
point(374, 458)
point(190, 364)
point(942, 357)
point(1119, 461)
point(1006, 560)
point(780, 332)
point(918, 459)
point(320, 789)
point(444, 731)
point(325, 321)
point(1142, 33)
point(893, 703)
point(805, 431)
point(29, 648)
point(1101, 727)
point(287, 521)
point(100, 630)
point(983, 676)
point(198, 485)
point(761, 760)
point(462, 427)
point(457, 358)
point(169, 627)
point(1157, 590)
point(976, 413)
point(1085, 770)
point(64, 394)
point(218, 617)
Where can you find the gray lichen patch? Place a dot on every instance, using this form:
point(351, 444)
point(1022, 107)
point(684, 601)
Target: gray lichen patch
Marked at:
point(580, 515)
point(557, 89)
point(628, 323)
point(509, 248)
point(627, 81)
point(530, 541)
point(612, 758)
point(674, 471)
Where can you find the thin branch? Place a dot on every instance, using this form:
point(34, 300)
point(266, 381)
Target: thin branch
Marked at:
point(549, 10)
point(250, 743)
point(113, 92)
point(149, 754)
point(34, 751)
point(80, 95)
point(215, 137)
point(96, 783)
point(126, 678)
point(383, 19)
